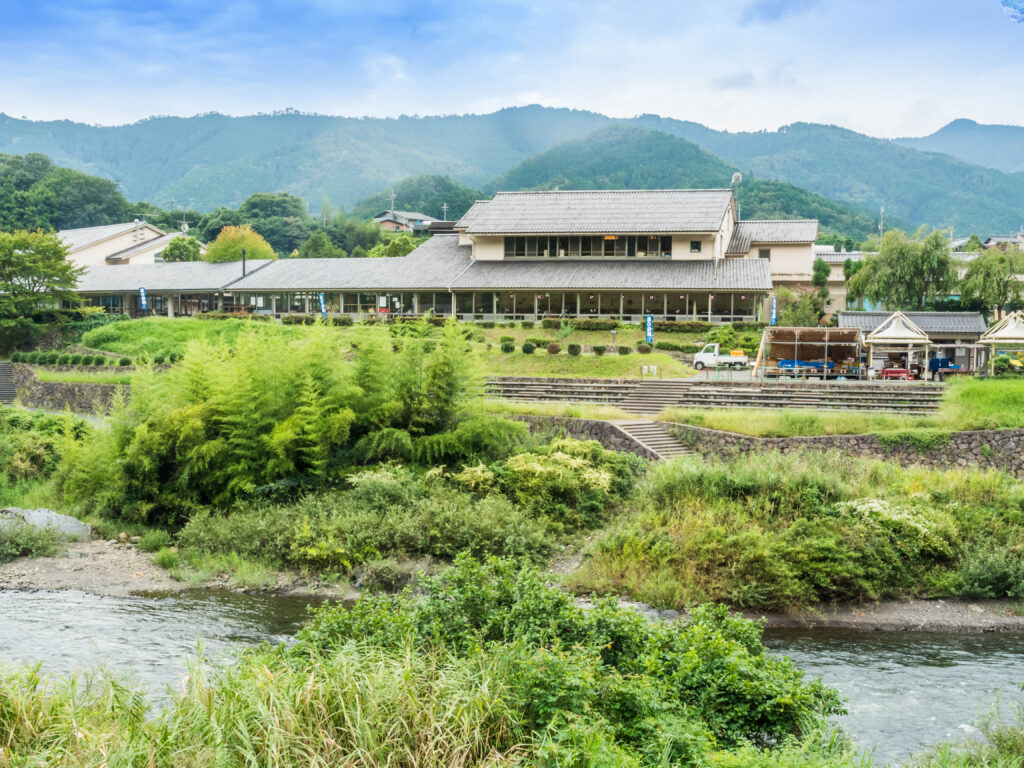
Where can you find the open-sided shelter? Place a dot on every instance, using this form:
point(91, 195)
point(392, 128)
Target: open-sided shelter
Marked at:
point(801, 351)
point(898, 336)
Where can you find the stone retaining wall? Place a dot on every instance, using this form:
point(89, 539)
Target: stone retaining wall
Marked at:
point(79, 397)
point(605, 432)
point(1001, 449)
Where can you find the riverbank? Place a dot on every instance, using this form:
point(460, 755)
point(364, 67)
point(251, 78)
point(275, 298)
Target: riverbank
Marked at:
point(111, 568)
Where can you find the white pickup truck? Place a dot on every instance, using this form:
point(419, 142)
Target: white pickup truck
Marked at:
point(710, 357)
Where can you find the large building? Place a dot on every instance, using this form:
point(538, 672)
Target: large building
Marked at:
point(674, 254)
point(134, 242)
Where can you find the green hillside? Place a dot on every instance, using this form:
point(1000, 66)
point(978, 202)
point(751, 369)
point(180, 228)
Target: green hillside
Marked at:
point(210, 160)
point(626, 157)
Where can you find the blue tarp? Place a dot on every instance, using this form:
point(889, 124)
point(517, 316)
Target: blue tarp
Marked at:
point(804, 364)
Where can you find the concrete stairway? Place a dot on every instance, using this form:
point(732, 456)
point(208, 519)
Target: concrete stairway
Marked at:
point(654, 437)
point(7, 390)
point(651, 396)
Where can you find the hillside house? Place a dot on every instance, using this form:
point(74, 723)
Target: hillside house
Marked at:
point(133, 242)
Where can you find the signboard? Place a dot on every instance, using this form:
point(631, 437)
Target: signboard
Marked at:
point(142, 299)
point(649, 325)
point(775, 312)
point(323, 306)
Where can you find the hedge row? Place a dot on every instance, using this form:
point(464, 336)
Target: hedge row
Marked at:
point(314, 319)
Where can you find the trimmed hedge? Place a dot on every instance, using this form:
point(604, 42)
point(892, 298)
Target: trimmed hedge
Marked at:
point(582, 324)
point(124, 361)
point(528, 348)
point(599, 349)
point(554, 348)
point(527, 324)
point(342, 320)
point(643, 348)
point(625, 350)
point(574, 350)
point(508, 346)
point(687, 326)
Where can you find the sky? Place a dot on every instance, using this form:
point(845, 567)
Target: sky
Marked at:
point(883, 67)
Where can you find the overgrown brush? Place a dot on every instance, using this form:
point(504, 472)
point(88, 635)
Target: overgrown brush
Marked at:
point(777, 531)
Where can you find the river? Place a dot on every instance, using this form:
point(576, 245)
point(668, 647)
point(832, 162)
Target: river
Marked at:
point(905, 691)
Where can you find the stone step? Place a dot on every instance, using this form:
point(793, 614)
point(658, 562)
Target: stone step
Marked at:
point(654, 437)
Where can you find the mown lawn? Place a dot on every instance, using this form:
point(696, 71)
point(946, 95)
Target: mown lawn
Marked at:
point(540, 363)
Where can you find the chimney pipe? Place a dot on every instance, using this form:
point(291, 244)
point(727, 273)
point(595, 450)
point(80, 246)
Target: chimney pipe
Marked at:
point(243, 262)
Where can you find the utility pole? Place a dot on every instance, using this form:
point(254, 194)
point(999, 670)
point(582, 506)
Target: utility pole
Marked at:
point(393, 196)
point(444, 212)
point(881, 223)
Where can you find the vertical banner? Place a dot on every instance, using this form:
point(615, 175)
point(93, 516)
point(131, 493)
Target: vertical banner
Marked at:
point(649, 325)
point(775, 312)
point(323, 307)
point(142, 299)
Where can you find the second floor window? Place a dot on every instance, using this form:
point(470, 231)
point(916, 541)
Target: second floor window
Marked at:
point(695, 246)
point(589, 247)
point(764, 253)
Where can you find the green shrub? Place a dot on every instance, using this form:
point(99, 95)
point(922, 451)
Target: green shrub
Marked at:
point(19, 540)
point(529, 347)
point(153, 541)
point(175, 357)
point(624, 350)
point(643, 348)
point(341, 320)
point(166, 558)
point(508, 339)
point(554, 348)
point(124, 361)
point(599, 349)
point(668, 346)
point(75, 359)
point(591, 324)
point(574, 350)
point(1001, 365)
point(508, 346)
point(15, 357)
point(100, 360)
point(686, 326)
point(538, 341)
point(526, 324)
point(28, 357)
point(159, 360)
point(486, 324)
point(64, 359)
point(52, 357)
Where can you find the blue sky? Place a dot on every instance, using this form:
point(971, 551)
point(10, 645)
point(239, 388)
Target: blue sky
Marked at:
point(884, 67)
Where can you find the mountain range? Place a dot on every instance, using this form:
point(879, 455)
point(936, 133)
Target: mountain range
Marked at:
point(967, 176)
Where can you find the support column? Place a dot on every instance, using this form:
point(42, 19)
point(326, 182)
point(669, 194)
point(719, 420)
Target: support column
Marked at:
point(732, 306)
point(598, 304)
point(579, 307)
point(622, 305)
point(170, 306)
point(664, 305)
point(494, 304)
point(709, 307)
point(453, 302)
point(536, 306)
point(220, 302)
point(643, 304)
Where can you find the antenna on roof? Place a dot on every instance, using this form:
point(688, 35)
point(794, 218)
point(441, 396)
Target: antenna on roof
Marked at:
point(393, 196)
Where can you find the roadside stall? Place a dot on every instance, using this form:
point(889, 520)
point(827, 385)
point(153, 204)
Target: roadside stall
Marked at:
point(817, 353)
point(1006, 338)
point(898, 349)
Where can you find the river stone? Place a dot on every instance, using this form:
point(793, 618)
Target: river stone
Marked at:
point(69, 527)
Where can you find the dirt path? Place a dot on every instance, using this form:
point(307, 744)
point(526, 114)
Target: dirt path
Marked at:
point(99, 567)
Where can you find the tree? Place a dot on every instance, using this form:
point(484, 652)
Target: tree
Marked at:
point(973, 245)
point(319, 246)
point(33, 271)
point(397, 246)
point(212, 223)
point(182, 248)
point(819, 277)
point(993, 279)
point(907, 273)
point(800, 308)
point(265, 205)
point(233, 240)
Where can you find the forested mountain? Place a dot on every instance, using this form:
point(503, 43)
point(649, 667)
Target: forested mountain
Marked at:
point(920, 187)
point(626, 157)
point(210, 160)
point(993, 146)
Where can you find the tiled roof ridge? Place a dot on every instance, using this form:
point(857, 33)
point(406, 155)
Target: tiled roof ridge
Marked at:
point(604, 191)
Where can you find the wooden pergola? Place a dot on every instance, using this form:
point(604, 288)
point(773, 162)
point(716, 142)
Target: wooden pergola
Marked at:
point(825, 345)
point(898, 333)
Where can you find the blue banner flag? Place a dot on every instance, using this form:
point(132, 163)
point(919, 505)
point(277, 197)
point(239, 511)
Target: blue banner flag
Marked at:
point(142, 299)
point(649, 324)
point(323, 306)
point(775, 312)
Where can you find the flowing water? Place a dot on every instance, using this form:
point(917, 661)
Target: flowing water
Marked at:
point(904, 691)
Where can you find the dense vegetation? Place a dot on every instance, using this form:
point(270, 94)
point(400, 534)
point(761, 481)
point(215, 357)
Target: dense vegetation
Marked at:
point(347, 159)
point(993, 146)
point(773, 531)
point(422, 194)
point(36, 194)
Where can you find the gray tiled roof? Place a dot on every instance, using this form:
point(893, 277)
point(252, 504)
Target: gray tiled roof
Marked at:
point(599, 212)
point(929, 322)
point(145, 245)
point(83, 236)
point(432, 266)
point(184, 277)
point(840, 257)
point(470, 216)
point(564, 274)
point(748, 233)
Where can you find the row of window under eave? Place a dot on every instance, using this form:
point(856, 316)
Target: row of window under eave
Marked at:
point(589, 247)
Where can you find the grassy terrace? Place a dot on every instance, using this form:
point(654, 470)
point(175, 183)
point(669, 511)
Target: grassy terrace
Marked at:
point(100, 376)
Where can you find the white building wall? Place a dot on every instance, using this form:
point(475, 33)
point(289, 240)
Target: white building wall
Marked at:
point(96, 253)
point(488, 248)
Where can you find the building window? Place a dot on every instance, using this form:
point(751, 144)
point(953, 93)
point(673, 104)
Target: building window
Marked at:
point(764, 253)
point(589, 247)
point(695, 246)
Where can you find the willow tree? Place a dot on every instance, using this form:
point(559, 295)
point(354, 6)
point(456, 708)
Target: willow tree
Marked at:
point(907, 273)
